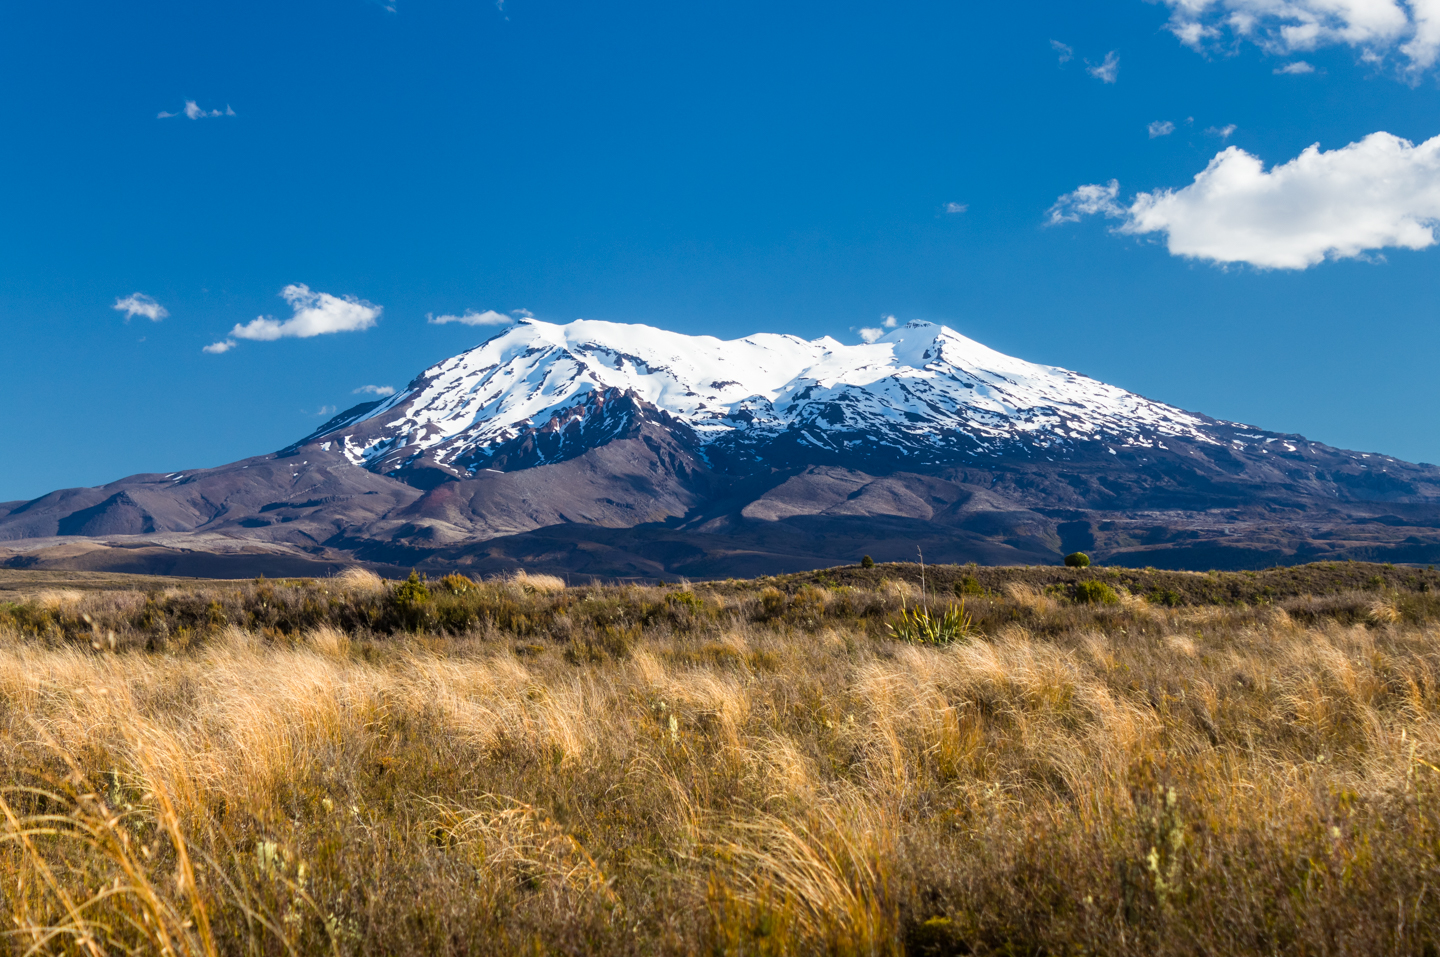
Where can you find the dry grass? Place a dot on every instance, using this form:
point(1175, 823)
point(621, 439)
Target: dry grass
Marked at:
point(676, 771)
point(538, 584)
point(360, 579)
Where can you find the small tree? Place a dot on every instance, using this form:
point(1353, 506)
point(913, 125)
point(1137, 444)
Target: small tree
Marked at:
point(867, 562)
point(1077, 560)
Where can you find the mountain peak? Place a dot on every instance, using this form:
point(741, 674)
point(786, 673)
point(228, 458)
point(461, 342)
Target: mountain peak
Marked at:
point(922, 393)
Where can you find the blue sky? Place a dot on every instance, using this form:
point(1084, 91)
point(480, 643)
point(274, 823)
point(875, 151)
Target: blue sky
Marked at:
point(708, 168)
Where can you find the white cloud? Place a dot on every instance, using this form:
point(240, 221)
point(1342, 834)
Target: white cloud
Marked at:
point(326, 410)
point(316, 314)
point(1067, 53)
point(215, 348)
point(1161, 128)
point(1380, 192)
point(1424, 46)
point(1223, 132)
point(380, 390)
point(1086, 201)
point(871, 333)
point(956, 207)
point(1105, 71)
point(472, 318)
point(1375, 28)
point(195, 112)
point(1294, 69)
point(139, 304)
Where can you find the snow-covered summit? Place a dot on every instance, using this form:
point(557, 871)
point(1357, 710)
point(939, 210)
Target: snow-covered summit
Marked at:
point(924, 391)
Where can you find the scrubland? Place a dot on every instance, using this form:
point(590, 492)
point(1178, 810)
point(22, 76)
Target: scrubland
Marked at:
point(352, 766)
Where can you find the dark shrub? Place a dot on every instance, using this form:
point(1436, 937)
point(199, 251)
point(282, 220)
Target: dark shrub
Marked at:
point(867, 562)
point(1168, 597)
point(1077, 560)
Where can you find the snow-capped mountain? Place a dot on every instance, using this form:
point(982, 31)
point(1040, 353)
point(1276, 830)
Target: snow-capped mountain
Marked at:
point(923, 395)
point(609, 449)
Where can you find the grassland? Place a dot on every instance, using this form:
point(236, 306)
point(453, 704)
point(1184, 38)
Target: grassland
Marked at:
point(1170, 764)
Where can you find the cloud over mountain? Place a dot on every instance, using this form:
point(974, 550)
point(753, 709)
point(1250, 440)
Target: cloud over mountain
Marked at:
point(472, 318)
point(1381, 192)
point(316, 314)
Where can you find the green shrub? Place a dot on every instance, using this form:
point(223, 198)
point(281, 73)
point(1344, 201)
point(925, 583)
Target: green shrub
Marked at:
point(411, 599)
point(1095, 593)
point(1168, 597)
point(1077, 560)
point(867, 562)
point(969, 585)
point(411, 591)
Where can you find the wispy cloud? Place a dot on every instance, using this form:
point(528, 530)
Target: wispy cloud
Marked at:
point(1224, 132)
point(1295, 69)
point(215, 348)
point(380, 390)
point(139, 304)
point(472, 318)
point(1377, 193)
point(1105, 71)
point(1374, 28)
point(956, 207)
point(1067, 53)
point(1160, 128)
point(315, 314)
point(194, 112)
point(1086, 201)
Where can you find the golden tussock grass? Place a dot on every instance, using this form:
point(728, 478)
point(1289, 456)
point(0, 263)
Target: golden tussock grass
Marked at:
point(359, 579)
point(542, 584)
point(677, 771)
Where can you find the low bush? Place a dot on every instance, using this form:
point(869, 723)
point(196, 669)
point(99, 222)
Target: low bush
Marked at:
point(1095, 593)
